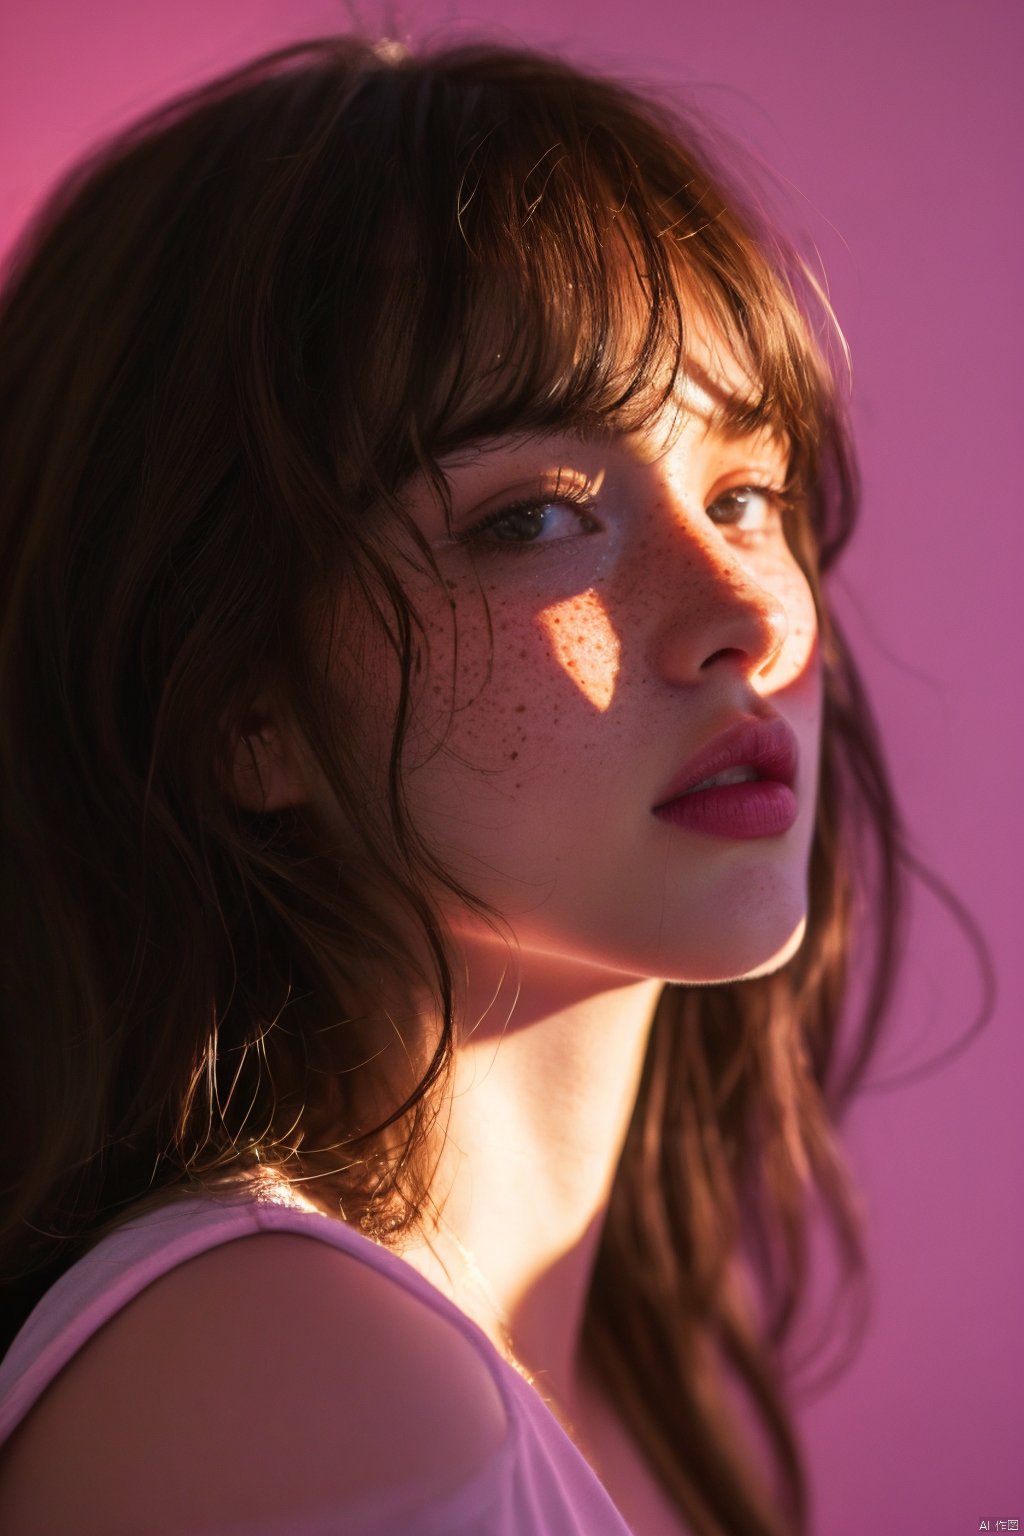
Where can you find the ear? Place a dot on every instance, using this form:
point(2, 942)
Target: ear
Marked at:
point(266, 769)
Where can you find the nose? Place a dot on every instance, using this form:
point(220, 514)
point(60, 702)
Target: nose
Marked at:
point(713, 607)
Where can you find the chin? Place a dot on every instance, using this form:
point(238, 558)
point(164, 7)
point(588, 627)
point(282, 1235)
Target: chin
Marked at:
point(772, 962)
point(736, 951)
point(732, 962)
point(776, 961)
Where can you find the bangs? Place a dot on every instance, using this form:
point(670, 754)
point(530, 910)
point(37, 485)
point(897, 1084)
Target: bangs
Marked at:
point(545, 255)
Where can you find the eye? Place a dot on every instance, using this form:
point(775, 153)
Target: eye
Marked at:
point(534, 521)
point(755, 510)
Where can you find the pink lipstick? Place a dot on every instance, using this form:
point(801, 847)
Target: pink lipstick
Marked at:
point(752, 767)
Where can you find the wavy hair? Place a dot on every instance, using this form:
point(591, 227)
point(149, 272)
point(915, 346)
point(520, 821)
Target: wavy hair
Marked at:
point(227, 340)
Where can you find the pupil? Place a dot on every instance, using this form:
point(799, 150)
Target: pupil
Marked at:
point(530, 520)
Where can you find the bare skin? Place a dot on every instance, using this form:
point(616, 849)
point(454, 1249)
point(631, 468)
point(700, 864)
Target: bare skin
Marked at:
point(626, 638)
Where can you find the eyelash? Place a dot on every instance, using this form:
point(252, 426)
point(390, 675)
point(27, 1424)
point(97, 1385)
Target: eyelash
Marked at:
point(583, 502)
point(780, 501)
point(572, 496)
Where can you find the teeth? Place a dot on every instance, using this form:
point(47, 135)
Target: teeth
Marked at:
point(741, 774)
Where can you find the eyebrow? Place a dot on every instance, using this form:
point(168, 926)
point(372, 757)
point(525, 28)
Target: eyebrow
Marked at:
point(468, 453)
point(731, 415)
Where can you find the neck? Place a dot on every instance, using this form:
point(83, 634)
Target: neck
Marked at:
point(543, 1090)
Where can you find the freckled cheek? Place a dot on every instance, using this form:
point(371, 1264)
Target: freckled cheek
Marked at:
point(548, 664)
point(584, 646)
point(800, 653)
point(488, 695)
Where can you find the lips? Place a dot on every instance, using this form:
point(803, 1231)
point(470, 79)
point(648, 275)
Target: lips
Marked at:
point(767, 746)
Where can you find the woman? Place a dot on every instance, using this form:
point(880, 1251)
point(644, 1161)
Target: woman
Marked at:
point(419, 477)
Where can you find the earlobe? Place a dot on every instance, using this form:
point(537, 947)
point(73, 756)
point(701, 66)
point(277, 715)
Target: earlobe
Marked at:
point(264, 775)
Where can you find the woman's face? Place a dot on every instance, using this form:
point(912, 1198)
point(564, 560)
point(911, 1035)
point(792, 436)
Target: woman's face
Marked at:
point(630, 627)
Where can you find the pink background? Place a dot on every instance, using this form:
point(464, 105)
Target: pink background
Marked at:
point(896, 128)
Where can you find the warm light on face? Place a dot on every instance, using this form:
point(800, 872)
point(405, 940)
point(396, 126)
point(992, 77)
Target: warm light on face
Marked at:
point(610, 601)
point(584, 643)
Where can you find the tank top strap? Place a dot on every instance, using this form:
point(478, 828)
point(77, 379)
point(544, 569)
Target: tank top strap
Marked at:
point(159, 1239)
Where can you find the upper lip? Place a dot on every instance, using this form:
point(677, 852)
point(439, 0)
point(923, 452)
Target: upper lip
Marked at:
point(769, 746)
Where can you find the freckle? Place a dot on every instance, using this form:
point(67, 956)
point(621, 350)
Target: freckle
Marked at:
point(522, 655)
point(512, 756)
point(520, 709)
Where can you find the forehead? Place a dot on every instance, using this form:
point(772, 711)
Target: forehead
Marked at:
point(711, 387)
point(708, 379)
point(645, 380)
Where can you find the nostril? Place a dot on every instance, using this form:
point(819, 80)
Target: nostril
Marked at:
point(729, 650)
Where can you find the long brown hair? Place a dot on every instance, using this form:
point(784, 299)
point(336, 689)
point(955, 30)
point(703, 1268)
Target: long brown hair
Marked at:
point(227, 340)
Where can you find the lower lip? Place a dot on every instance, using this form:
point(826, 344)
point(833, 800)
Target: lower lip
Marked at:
point(761, 808)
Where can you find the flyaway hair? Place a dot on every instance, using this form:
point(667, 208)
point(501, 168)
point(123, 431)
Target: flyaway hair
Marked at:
point(227, 340)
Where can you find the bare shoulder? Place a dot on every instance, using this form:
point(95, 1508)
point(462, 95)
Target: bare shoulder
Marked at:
point(270, 1376)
